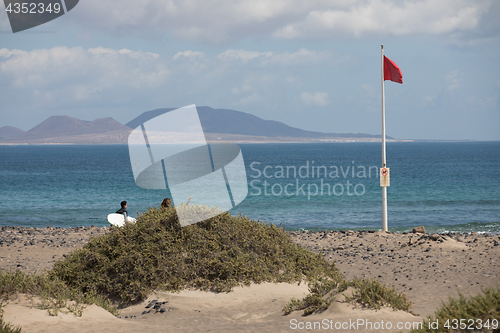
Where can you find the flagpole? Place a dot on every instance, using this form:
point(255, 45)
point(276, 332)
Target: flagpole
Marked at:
point(384, 188)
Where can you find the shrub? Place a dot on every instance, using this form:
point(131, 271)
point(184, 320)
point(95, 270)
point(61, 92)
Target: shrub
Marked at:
point(375, 295)
point(53, 292)
point(216, 254)
point(369, 293)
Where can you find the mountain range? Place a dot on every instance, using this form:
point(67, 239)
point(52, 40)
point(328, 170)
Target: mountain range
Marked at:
point(218, 124)
point(225, 121)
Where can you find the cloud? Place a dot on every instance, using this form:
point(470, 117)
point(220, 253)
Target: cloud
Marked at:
point(388, 17)
point(243, 89)
point(251, 99)
point(81, 73)
point(317, 98)
point(188, 54)
point(215, 21)
point(89, 80)
point(244, 56)
point(300, 57)
point(223, 21)
point(63, 76)
point(454, 80)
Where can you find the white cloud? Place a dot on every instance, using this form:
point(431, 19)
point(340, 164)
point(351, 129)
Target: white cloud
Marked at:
point(76, 73)
point(221, 21)
point(317, 98)
point(98, 67)
point(188, 54)
point(61, 76)
point(244, 56)
point(302, 56)
point(388, 17)
point(251, 99)
point(243, 89)
point(209, 20)
point(453, 80)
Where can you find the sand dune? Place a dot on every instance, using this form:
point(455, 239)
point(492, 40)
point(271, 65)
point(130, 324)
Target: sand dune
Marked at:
point(257, 308)
point(427, 268)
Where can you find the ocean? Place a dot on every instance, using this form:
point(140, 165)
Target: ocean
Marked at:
point(445, 186)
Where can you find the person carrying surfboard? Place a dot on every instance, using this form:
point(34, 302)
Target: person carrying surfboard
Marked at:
point(123, 210)
point(119, 218)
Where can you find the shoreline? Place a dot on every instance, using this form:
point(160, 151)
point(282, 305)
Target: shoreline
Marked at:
point(294, 231)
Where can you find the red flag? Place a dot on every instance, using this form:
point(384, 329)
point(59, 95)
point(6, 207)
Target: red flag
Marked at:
point(392, 71)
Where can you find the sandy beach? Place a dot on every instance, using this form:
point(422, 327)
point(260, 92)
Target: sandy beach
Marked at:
point(427, 268)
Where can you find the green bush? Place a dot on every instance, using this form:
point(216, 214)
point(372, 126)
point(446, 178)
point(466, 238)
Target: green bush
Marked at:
point(321, 296)
point(217, 254)
point(369, 293)
point(53, 292)
point(375, 295)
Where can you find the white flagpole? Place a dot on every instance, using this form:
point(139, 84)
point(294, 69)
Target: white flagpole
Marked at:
point(384, 188)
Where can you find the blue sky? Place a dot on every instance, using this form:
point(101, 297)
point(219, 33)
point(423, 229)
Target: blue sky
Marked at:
point(310, 64)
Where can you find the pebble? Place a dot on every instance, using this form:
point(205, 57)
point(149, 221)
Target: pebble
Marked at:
point(157, 306)
point(153, 302)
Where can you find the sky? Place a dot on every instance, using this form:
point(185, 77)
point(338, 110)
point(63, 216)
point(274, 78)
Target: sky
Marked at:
point(314, 64)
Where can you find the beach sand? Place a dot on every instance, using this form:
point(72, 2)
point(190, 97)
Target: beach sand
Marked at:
point(427, 268)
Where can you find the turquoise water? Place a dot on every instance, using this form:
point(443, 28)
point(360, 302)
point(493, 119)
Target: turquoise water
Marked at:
point(443, 186)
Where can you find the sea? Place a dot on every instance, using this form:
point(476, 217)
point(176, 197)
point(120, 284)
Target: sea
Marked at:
point(444, 186)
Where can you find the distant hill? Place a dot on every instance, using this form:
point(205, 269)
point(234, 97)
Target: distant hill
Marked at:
point(65, 129)
point(56, 126)
point(10, 131)
point(225, 121)
point(218, 125)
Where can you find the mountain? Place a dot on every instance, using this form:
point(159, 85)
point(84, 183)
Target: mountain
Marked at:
point(65, 129)
point(9, 131)
point(218, 125)
point(56, 126)
point(225, 121)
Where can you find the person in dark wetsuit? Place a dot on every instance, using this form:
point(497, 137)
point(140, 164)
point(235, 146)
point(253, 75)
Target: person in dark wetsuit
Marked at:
point(123, 210)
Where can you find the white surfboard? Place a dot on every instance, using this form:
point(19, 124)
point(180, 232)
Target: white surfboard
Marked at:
point(118, 220)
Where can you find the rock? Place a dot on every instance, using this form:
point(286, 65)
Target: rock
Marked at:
point(434, 237)
point(153, 302)
point(163, 310)
point(420, 230)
